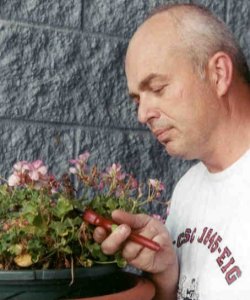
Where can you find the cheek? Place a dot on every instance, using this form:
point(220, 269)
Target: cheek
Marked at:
point(176, 99)
point(185, 105)
point(180, 93)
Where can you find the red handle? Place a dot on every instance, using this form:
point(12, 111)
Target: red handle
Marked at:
point(93, 218)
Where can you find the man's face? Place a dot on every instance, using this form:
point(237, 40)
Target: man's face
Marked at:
point(178, 107)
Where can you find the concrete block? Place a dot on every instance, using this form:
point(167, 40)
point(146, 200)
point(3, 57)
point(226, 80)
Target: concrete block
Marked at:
point(66, 77)
point(239, 22)
point(61, 13)
point(118, 18)
point(27, 141)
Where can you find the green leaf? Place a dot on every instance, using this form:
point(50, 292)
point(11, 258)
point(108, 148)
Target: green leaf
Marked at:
point(38, 221)
point(121, 262)
point(60, 228)
point(63, 206)
point(15, 249)
point(96, 252)
point(66, 250)
point(112, 204)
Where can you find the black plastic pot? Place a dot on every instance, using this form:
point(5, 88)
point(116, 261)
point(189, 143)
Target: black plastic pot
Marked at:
point(55, 284)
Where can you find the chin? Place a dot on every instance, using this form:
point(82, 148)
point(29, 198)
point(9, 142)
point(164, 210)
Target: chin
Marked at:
point(175, 151)
point(172, 151)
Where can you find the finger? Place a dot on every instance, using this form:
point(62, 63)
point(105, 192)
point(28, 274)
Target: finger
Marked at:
point(99, 234)
point(115, 240)
point(131, 251)
point(134, 221)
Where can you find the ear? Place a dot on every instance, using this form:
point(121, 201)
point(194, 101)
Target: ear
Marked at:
point(220, 69)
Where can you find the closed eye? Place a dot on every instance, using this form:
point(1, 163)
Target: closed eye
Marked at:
point(159, 89)
point(135, 98)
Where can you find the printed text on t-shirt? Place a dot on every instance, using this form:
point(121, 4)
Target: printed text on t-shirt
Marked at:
point(212, 240)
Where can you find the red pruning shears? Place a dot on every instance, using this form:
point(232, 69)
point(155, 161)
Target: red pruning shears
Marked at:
point(93, 218)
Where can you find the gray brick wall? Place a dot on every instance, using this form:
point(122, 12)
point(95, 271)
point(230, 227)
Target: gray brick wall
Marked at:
point(63, 89)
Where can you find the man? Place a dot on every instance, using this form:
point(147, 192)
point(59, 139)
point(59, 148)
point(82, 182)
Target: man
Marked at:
point(190, 81)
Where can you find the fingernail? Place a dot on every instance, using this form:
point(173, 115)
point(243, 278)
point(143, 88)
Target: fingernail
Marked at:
point(124, 229)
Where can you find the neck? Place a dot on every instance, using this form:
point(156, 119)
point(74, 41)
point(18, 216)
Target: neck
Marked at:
point(232, 138)
point(220, 161)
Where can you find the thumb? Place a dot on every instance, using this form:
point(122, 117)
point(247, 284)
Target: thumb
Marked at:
point(135, 221)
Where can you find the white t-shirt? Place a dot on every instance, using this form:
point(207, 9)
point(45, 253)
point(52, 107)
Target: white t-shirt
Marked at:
point(209, 223)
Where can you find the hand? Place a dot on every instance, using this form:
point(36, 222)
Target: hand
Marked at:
point(135, 254)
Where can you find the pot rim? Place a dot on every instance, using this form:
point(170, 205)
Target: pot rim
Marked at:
point(52, 274)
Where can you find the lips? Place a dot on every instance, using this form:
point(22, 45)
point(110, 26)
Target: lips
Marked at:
point(162, 134)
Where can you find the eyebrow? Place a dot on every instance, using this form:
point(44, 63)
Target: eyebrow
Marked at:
point(146, 81)
point(150, 78)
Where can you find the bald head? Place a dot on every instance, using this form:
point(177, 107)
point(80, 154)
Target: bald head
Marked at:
point(157, 37)
point(192, 29)
point(158, 31)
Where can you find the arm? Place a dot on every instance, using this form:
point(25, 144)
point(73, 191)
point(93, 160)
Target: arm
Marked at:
point(166, 283)
point(162, 265)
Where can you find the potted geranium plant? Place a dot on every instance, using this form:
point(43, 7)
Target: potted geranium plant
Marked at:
point(46, 249)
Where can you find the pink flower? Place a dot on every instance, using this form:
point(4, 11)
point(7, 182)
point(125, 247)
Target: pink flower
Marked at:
point(37, 170)
point(159, 186)
point(133, 183)
point(115, 171)
point(72, 170)
point(79, 163)
point(18, 177)
point(84, 157)
point(26, 173)
point(21, 166)
point(14, 180)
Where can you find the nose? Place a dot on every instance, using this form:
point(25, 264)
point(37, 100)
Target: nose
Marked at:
point(147, 110)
